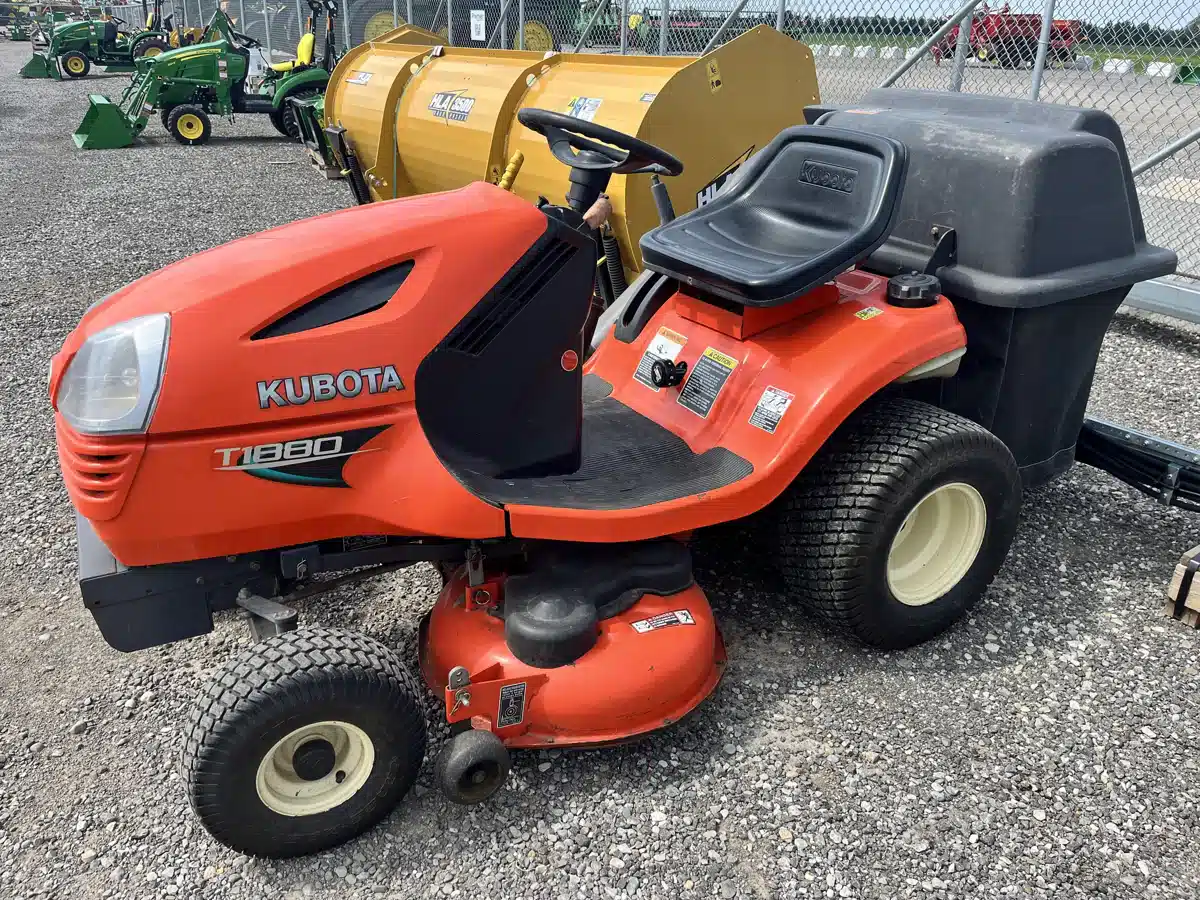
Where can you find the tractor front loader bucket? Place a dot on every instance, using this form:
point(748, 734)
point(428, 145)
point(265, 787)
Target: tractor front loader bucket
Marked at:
point(104, 127)
point(41, 65)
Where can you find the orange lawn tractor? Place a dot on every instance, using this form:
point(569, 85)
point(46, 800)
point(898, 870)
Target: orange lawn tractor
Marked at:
point(822, 353)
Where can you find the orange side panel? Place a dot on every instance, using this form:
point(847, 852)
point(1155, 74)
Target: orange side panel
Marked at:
point(829, 362)
point(397, 486)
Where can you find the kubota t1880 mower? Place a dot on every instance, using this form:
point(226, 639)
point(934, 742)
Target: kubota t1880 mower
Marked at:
point(187, 85)
point(408, 381)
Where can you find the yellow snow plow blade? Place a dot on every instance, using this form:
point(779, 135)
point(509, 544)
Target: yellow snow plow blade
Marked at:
point(422, 119)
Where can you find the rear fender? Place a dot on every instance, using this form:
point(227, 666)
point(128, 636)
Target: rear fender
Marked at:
point(305, 78)
point(822, 366)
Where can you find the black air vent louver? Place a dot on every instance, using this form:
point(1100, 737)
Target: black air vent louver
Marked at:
point(509, 297)
point(357, 298)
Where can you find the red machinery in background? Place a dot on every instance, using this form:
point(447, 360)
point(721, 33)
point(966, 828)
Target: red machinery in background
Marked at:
point(1011, 39)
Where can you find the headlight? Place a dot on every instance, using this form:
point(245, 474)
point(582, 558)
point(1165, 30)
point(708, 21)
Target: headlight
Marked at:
point(112, 383)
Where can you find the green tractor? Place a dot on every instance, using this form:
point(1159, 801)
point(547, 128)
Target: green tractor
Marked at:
point(77, 46)
point(226, 75)
point(20, 24)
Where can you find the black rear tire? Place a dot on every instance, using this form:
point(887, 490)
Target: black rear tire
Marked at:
point(75, 64)
point(189, 124)
point(148, 44)
point(164, 116)
point(284, 118)
point(838, 523)
point(312, 682)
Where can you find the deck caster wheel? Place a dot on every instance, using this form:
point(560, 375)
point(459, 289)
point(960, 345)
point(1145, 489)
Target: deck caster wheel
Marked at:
point(302, 742)
point(900, 523)
point(472, 766)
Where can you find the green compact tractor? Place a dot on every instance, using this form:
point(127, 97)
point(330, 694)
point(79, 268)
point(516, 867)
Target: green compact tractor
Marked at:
point(77, 46)
point(20, 24)
point(217, 77)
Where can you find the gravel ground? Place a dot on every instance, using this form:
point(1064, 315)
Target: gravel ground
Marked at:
point(1046, 747)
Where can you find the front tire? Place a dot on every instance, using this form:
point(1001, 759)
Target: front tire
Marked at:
point(75, 64)
point(899, 524)
point(303, 741)
point(189, 124)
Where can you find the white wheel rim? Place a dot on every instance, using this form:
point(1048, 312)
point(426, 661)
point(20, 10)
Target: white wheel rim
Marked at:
point(937, 544)
point(283, 791)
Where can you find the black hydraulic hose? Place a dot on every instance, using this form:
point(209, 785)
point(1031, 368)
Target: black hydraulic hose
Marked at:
point(612, 258)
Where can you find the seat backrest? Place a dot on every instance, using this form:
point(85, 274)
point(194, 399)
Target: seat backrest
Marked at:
point(304, 49)
point(814, 202)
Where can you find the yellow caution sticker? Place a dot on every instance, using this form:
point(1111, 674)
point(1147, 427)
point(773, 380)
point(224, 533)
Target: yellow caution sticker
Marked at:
point(714, 75)
point(705, 380)
point(584, 107)
point(869, 313)
point(665, 345)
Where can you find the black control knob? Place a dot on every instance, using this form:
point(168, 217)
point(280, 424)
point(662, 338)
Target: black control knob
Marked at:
point(664, 373)
point(913, 290)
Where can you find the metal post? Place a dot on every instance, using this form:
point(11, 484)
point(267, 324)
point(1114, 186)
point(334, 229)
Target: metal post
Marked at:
point(1166, 152)
point(716, 38)
point(450, 23)
point(665, 12)
point(408, 10)
point(436, 15)
point(1039, 64)
point(395, 13)
point(241, 13)
point(499, 22)
point(780, 15)
point(299, 20)
point(899, 71)
point(346, 29)
point(624, 27)
point(520, 24)
point(962, 49)
point(583, 35)
point(267, 24)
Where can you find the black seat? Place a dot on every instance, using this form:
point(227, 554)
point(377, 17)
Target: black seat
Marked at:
point(810, 205)
point(109, 39)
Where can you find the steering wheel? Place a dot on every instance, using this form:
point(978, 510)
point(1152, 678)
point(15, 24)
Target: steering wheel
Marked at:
point(245, 40)
point(577, 143)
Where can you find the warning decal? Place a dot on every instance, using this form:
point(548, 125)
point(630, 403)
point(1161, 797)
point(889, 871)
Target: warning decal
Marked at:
point(705, 381)
point(648, 97)
point(584, 107)
point(714, 76)
point(663, 620)
point(512, 705)
point(665, 345)
point(770, 409)
point(869, 313)
point(357, 77)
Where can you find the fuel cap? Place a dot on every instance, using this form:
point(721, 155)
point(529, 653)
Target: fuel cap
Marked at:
point(913, 290)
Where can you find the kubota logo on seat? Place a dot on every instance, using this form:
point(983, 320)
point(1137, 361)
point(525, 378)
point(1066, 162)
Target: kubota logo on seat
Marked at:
point(297, 391)
point(824, 175)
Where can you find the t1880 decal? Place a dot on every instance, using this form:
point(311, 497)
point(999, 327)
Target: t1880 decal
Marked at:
point(314, 461)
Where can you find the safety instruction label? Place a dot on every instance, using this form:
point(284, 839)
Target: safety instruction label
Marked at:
point(512, 705)
point(714, 75)
point(356, 77)
point(705, 381)
point(648, 97)
point(663, 620)
point(584, 107)
point(478, 25)
point(665, 345)
point(869, 312)
point(770, 409)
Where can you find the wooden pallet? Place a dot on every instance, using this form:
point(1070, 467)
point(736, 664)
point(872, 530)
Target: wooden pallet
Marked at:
point(1183, 593)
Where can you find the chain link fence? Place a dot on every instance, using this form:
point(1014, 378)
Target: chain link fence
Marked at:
point(1139, 62)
